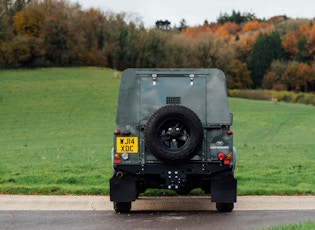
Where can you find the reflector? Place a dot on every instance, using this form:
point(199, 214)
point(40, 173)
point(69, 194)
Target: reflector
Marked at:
point(229, 132)
point(226, 162)
point(117, 132)
point(116, 161)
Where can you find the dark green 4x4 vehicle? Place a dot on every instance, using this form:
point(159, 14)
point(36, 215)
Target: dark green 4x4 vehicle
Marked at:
point(173, 132)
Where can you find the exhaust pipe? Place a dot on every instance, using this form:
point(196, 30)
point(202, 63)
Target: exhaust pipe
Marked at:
point(119, 174)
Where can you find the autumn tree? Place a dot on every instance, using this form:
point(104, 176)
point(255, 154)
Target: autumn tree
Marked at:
point(303, 77)
point(289, 75)
point(311, 40)
point(193, 32)
point(29, 21)
point(153, 51)
point(287, 26)
point(227, 30)
point(60, 41)
point(7, 9)
point(273, 78)
point(298, 76)
point(222, 55)
point(237, 75)
point(15, 53)
point(290, 45)
point(203, 50)
point(252, 25)
point(179, 52)
point(90, 29)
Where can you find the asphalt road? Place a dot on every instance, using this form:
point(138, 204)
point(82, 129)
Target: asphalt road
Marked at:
point(95, 212)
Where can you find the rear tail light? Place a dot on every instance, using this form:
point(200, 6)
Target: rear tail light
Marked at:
point(225, 158)
point(221, 156)
point(229, 132)
point(117, 132)
point(116, 159)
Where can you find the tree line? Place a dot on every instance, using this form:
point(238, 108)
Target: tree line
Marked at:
point(277, 53)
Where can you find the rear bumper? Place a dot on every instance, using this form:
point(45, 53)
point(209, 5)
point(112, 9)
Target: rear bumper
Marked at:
point(203, 168)
point(130, 180)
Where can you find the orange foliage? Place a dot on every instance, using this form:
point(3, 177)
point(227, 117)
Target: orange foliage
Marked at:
point(309, 32)
point(302, 76)
point(270, 80)
point(303, 29)
point(231, 27)
point(29, 21)
point(249, 39)
point(290, 44)
point(276, 19)
point(250, 26)
point(311, 39)
point(237, 74)
point(221, 32)
point(255, 25)
point(193, 32)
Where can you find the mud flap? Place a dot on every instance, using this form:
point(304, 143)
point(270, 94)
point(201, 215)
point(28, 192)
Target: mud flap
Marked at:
point(122, 190)
point(224, 190)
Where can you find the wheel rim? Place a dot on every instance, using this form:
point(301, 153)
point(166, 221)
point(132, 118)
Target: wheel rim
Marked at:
point(173, 134)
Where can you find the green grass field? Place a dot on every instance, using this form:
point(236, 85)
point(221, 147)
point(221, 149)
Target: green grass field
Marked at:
point(56, 128)
point(309, 225)
point(275, 145)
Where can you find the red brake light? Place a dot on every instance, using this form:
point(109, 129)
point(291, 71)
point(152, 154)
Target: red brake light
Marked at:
point(226, 162)
point(116, 159)
point(221, 156)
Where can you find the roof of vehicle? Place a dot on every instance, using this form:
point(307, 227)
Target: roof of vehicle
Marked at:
point(142, 91)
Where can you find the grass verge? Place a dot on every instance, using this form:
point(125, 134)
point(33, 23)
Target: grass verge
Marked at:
point(302, 226)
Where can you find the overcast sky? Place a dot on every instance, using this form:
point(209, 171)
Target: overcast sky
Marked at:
point(195, 12)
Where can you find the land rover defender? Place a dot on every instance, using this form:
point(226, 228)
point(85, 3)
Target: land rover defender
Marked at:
point(173, 132)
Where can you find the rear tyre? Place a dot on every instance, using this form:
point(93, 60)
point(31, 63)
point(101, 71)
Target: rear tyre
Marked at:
point(122, 207)
point(225, 207)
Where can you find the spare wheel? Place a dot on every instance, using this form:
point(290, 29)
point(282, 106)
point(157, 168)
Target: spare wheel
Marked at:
point(174, 134)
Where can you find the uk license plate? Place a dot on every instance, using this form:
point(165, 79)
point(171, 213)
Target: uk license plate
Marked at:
point(127, 144)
